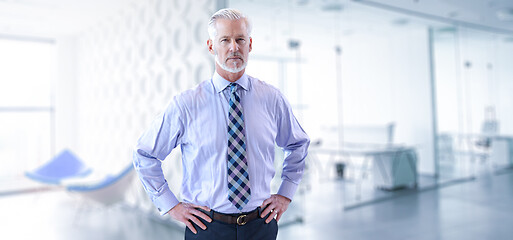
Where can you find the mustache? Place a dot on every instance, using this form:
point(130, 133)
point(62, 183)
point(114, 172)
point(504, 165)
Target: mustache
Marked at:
point(235, 54)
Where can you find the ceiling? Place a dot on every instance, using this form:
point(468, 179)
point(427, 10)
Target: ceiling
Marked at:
point(69, 17)
point(490, 15)
point(50, 18)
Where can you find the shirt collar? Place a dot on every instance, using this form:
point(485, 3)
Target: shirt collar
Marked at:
point(220, 83)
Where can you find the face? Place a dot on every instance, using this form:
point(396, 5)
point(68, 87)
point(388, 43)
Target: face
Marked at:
point(231, 45)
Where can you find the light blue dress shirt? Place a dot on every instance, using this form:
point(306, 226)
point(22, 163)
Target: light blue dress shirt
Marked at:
point(197, 120)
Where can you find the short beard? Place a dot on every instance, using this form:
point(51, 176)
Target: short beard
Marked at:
point(230, 69)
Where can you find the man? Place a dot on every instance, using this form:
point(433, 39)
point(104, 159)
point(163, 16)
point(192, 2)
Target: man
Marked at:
point(227, 128)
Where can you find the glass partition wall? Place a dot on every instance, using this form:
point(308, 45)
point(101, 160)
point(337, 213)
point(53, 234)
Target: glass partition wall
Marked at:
point(392, 102)
point(359, 82)
point(473, 85)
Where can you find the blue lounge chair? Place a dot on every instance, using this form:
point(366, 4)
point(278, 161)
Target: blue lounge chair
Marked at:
point(109, 190)
point(64, 166)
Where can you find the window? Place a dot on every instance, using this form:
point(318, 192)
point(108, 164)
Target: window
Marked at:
point(27, 69)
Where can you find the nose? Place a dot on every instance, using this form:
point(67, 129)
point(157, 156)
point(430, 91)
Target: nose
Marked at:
point(233, 46)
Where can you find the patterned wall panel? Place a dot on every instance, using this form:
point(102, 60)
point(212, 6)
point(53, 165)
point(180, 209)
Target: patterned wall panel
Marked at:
point(130, 66)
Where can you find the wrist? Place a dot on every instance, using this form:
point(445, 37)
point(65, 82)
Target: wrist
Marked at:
point(173, 208)
point(285, 198)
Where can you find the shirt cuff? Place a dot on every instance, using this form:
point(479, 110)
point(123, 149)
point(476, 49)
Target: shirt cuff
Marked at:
point(165, 202)
point(287, 189)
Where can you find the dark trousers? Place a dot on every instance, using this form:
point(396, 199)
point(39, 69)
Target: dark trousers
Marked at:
point(256, 229)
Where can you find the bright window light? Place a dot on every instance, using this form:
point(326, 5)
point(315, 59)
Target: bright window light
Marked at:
point(26, 71)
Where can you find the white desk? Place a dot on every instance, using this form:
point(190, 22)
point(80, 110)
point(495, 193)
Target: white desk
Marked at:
point(499, 151)
point(501, 154)
point(394, 166)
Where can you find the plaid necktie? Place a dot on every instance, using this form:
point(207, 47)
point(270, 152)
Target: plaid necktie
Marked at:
point(238, 177)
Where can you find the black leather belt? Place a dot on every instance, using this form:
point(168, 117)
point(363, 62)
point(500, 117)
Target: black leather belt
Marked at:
point(239, 219)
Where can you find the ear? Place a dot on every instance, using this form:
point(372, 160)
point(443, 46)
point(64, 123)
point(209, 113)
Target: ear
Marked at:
point(250, 43)
point(210, 45)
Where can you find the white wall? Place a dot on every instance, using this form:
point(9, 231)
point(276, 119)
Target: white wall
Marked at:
point(412, 95)
point(66, 105)
point(129, 67)
point(465, 90)
point(448, 83)
point(387, 79)
point(503, 75)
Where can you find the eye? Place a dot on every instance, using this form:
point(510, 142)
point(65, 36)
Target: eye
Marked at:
point(241, 40)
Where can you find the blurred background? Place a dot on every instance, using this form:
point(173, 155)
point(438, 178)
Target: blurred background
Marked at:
point(407, 103)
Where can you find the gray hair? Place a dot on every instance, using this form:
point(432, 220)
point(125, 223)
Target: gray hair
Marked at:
point(226, 13)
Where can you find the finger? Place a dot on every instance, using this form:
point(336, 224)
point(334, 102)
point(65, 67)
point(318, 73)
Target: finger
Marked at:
point(201, 215)
point(271, 216)
point(202, 207)
point(278, 216)
point(267, 210)
point(189, 225)
point(266, 202)
point(198, 222)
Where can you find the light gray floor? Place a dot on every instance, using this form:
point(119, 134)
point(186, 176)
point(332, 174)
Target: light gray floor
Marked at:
point(479, 209)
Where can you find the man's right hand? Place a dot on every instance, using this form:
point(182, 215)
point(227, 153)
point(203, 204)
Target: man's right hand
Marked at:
point(188, 214)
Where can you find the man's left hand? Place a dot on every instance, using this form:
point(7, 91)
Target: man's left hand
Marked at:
point(276, 205)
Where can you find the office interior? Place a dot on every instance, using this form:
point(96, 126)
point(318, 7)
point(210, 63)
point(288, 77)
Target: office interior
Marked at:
point(407, 104)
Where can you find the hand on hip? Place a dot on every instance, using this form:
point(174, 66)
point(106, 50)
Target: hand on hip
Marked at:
point(188, 213)
point(276, 205)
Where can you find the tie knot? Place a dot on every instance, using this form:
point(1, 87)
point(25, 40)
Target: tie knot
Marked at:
point(233, 87)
